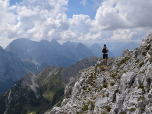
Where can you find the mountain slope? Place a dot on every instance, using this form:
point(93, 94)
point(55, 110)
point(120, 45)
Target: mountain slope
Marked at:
point(36, 94)
point(11, 70)
point(50, 53)
point(121, 87)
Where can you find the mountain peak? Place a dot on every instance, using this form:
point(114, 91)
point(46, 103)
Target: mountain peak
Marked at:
point(95, 45)
point(54, 43)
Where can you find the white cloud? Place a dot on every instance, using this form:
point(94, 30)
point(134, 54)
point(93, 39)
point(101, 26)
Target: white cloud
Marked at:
point(47, 19)
point(124, 34)
point(116, 14)
point(83, 2)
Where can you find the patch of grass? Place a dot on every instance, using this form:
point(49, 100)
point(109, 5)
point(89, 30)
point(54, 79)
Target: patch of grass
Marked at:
point(92, 106)
point(137, 61)
point(142, 87)
point(117, 91)
point(103, 113)
point(89, 89)
point(144, 53)
point(59, 104)
point(148, 47)
point(113, 75)
point(85, 107)
point(34, 112)
point(142, 98)
point(124, 113)
point(105, 85)
point(101, 88)
point(108, 108)
point(103, 95)
point(102, 68)
point(112, 83)
point(142, 71)
point(124, 60)
point(132, 109)
point(119, 77)
point(107, 95)
point(94, 98)
point(141, 64)
point(48, 95)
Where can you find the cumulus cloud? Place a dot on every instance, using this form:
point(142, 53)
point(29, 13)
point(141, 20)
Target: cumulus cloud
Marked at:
point(38, 19)
point(124, 34)
point(47, 19)
point(116, 14)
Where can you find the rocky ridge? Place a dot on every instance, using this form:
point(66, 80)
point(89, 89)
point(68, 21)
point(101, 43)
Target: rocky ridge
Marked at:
point(121, 87)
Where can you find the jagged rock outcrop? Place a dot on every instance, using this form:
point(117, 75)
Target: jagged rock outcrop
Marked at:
point(121, 87)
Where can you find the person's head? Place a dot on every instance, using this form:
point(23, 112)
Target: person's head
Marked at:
point(104, 45)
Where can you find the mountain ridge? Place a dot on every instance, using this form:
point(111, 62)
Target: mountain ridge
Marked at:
point(121, 87)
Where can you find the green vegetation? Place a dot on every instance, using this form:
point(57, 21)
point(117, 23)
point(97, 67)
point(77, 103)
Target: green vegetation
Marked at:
point(137, 61)
point(59, 104)
point(144, 53)
point(105, 85)
point(132, 109)
point(112, 83)
point(108, 108)
point(103, 113)
point(50, 92)
point(148, 47)
point(113, 75)
point(101, 88)
point(85, 107)
point(141, 64)
point(124, 60)
point(142, 71)
point(102, 68)
point(107, 95)
point(142, 87)
point(124, 113)
point(119, 77)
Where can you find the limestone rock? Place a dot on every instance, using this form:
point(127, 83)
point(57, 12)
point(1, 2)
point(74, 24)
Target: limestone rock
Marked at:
point(123, 87)
point(125, 52)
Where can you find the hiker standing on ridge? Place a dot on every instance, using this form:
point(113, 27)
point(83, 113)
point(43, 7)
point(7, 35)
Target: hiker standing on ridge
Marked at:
point(105, 54)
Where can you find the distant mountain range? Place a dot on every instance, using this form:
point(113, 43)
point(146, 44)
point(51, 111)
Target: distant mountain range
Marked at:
point(117, 47)
point(23, 56)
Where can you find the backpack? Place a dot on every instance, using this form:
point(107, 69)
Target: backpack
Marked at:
point(104, 50)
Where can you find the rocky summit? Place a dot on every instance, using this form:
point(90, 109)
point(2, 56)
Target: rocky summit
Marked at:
point(121, 87)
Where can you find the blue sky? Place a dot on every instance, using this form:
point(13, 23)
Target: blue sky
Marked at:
point(87, 21)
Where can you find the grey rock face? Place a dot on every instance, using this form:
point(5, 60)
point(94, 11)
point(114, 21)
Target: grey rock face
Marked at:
point(124, 52)
point(122, 87)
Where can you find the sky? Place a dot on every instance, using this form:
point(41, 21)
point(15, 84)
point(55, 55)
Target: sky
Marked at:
point(87, 21)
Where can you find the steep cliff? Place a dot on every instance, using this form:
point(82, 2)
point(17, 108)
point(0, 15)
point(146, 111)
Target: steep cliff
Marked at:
point(121, 87)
